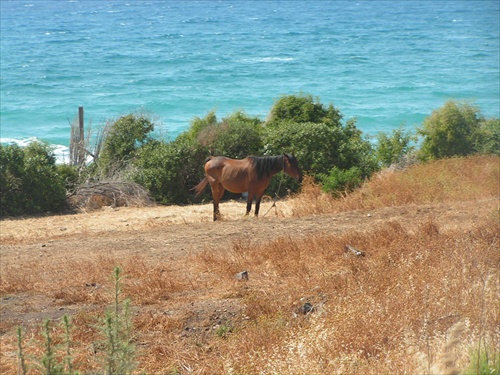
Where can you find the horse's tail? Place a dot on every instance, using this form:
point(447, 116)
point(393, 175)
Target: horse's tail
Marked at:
point(203, 183)
point(201, 186)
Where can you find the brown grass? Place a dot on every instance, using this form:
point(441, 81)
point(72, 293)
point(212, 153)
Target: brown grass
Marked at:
point(445, 180)
point(387, 313)
point(419, 301)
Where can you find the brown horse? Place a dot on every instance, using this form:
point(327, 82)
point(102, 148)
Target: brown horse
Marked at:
point(251, 175)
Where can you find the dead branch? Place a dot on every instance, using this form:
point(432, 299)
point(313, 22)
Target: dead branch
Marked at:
point(93, 195)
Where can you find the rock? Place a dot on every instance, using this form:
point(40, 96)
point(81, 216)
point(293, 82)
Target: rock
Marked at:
point(306, 308)
point(242, 276)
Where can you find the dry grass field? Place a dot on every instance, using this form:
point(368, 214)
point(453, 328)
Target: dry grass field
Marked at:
point(424, 298)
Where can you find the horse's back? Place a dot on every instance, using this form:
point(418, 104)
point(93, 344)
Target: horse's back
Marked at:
point(233, 174)
point(216, 162)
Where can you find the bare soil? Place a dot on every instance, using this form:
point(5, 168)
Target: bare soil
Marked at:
point(173, 233)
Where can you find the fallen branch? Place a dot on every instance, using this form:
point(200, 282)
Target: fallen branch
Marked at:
point(110, 193)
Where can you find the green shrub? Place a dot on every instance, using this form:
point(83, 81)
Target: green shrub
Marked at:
point(170, 169)
point(302, 108)
point(199, 124)
point(236, 136)
point(317, 137)
point(29, 182)
point(450, 131)
point(391, 148)
point(122, 140)
point(339, 180)
point(487, 137)
point(11, 180)
point(69, 174)
point(319, 147)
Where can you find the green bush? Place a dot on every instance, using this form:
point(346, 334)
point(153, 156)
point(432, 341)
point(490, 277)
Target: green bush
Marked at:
point(199, 124)
point(302, 108)
point(69, 175)
point(450, 131)
point(319, 147)
point(11, 180)
point(341, 180)
point(315, 134)
point(170, 170)
point(121, 142)
point(391, 148)
point(29, 182)
point(487, 137)
point(236, 136)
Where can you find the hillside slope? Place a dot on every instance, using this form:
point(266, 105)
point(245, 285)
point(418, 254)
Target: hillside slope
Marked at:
point(180, 269)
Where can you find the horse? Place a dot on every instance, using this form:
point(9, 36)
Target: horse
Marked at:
point(251, 174)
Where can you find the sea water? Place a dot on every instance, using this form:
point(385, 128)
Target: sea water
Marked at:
point(383, 62)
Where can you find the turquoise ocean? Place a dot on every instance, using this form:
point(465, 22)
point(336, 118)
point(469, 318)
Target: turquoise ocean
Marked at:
point(383, 62)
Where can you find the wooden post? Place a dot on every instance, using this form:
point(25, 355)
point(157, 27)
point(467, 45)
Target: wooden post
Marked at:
point(81, 140)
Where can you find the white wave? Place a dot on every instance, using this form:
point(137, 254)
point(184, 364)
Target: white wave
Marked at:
point(61, 152)
point(276, 59)
point(267, 59)
point(20, 142)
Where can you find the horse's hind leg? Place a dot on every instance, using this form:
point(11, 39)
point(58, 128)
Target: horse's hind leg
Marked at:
point(217, 193)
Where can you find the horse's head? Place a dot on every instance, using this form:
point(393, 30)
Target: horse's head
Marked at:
point(291, 166)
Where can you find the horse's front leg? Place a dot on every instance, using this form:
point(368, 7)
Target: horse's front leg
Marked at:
point(216, 211)
point(249, 203)
point(258, 198)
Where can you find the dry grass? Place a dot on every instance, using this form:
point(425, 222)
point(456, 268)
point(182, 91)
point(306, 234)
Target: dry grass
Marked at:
point(445, 180)
point(419, 301)
point(390, 312)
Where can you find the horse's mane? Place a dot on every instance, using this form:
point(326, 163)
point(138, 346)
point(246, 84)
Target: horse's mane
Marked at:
point(266, 165)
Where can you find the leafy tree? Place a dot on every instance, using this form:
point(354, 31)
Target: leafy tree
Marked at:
point(302, 108)
point(450, 131)
point(392, 147)
point(29, 180)
point(125, 137)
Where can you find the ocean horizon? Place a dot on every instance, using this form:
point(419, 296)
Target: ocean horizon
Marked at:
point(383, 62)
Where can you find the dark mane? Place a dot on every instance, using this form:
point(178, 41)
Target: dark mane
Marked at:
point(266, 165)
